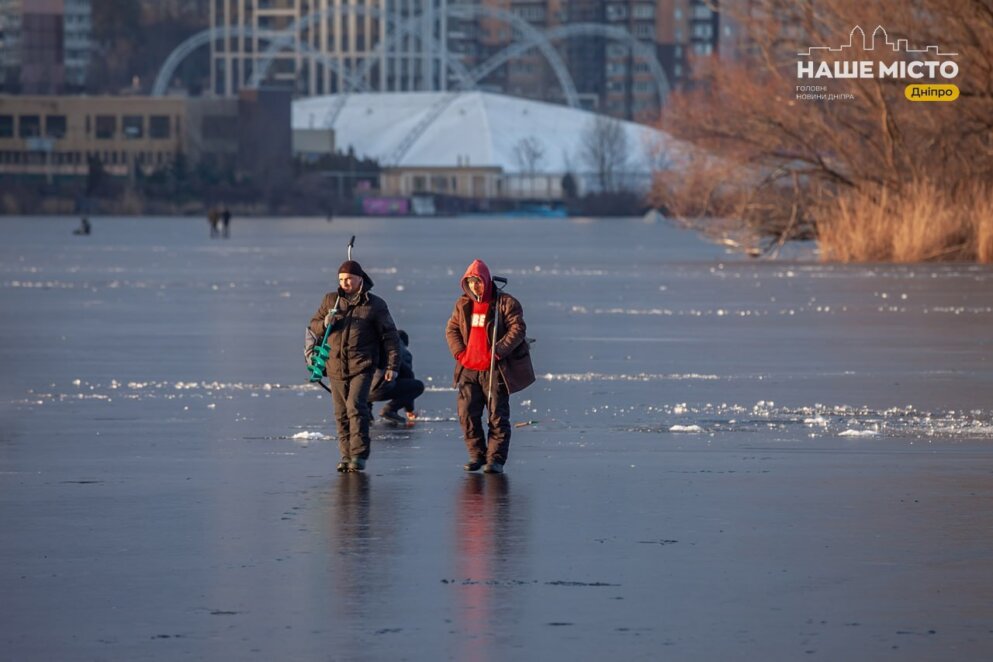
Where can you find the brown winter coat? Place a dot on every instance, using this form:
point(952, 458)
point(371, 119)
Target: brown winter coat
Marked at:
point(512, 349)
point(363, 336)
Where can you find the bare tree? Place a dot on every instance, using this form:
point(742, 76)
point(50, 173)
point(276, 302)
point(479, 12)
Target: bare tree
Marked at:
point(779, 164)
point(604, 151)
point(529, 153)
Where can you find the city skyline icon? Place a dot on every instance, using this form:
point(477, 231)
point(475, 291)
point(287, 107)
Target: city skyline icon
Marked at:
point(900, 45)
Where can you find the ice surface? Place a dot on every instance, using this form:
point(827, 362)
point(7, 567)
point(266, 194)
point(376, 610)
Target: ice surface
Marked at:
point(695, 480)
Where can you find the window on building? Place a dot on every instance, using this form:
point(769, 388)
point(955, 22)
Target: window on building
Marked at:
point(616, 12)
point(133, 126)
point(643, 11)
point(530, 12)
point(420, 184)
point(701, 11)
point(644, 31)
point(158, 126)
point(6, 126)
point(29, 126)
point(55, 126)
point(106, 126)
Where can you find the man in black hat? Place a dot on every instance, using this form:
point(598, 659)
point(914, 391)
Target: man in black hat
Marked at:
point(362, 336)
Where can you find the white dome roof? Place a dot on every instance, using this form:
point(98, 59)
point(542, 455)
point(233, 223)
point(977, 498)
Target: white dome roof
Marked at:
point(474, 128)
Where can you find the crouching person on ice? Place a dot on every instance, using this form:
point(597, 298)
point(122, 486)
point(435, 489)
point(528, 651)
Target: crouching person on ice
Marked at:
point(361, 333)
point(486, 335)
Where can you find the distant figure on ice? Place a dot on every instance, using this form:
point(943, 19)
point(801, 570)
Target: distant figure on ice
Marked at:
point(362, 329)
point(226, 221)
point(213, 218)
point(486, 335)
point(402, 391)
point(84, 227)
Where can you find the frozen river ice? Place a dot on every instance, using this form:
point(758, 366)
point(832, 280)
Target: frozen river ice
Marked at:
point(725, 458)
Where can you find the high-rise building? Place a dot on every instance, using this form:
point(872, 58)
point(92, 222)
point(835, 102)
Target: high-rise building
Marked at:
point(408, 45)
point(393, 45)
point(44, 45)
point(608, 75)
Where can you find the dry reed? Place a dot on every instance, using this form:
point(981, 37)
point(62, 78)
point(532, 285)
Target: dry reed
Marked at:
point(923, 223)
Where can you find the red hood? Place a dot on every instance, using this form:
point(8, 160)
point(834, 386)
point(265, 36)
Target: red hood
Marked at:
point(478, 269)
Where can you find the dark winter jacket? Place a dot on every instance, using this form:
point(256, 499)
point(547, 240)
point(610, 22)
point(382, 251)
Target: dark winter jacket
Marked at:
point(512, 349)
point(363, 335)
point(405, 371)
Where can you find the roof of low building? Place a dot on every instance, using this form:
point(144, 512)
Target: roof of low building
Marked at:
point(446, 129)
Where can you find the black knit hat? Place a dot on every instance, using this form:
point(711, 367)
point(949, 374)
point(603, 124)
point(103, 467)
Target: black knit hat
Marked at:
point(354, 268)
point(351, 267)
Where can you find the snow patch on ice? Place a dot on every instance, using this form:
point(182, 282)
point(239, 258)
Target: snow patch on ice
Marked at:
point(858, 433)
point(310, 436)
point(637, 377)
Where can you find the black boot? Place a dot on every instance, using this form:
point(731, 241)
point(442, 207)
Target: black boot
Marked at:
point(392, 417)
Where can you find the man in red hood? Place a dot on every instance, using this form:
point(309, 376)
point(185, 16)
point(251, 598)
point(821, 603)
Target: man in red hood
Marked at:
point(470, 339)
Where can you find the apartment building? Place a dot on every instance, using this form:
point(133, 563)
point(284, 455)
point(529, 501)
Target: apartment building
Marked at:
point(393, 45)
point(45, 45)
point(403, 45)
point(608, 76)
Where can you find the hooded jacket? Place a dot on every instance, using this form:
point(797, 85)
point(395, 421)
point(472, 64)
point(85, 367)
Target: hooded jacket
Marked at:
point(512, 349)
point(362, 335)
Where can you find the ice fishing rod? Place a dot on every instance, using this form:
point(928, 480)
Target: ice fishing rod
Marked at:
point(497, 289)
point(320, 355)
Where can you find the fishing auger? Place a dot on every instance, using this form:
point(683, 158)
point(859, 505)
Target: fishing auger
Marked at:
point(320, 354)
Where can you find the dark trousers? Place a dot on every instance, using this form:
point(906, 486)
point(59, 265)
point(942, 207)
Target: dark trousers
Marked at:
point(472, 400)
point(401, 393)
point(351, 411)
